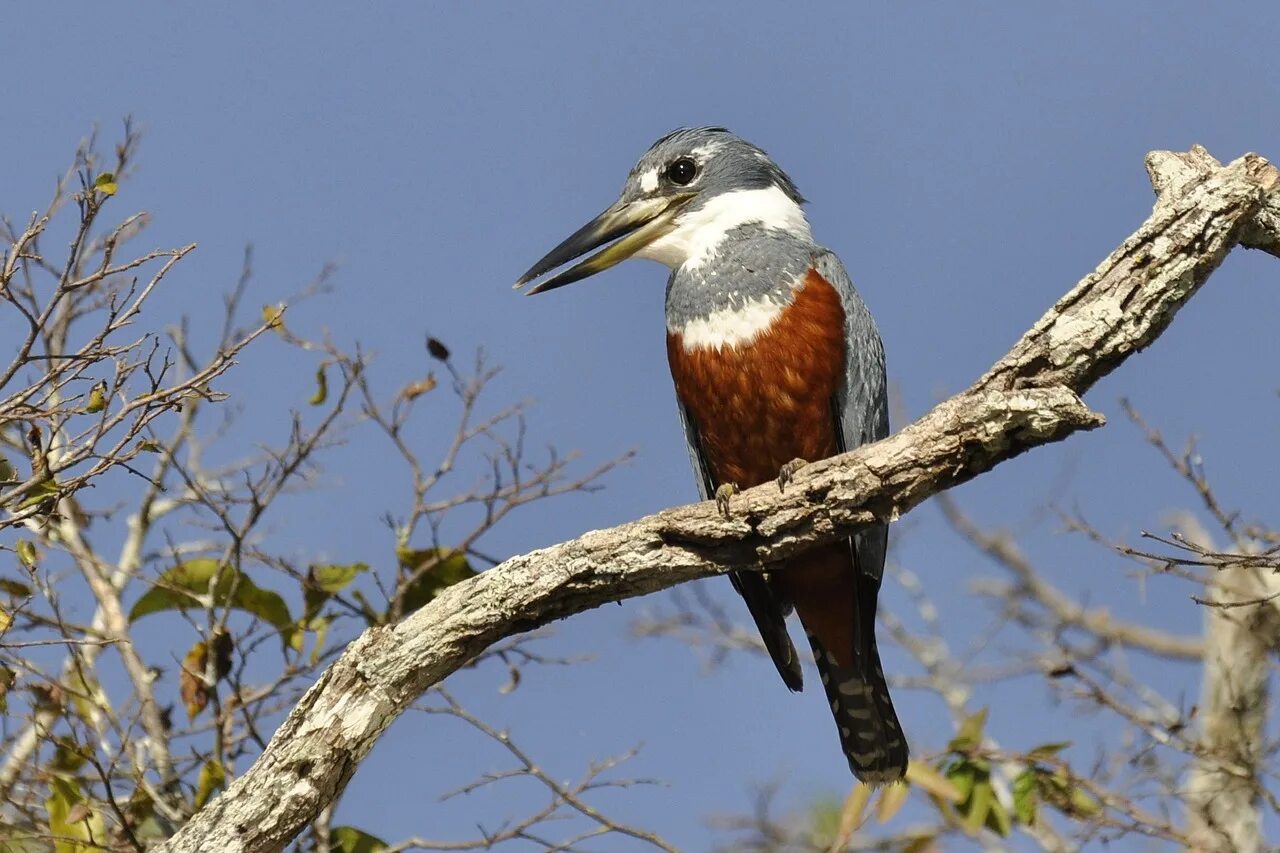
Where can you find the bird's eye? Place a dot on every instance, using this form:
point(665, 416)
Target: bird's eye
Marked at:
point(682, 171)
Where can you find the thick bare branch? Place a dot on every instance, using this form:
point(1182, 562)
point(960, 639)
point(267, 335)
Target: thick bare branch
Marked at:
point(1027, 399)
point(1226, 780)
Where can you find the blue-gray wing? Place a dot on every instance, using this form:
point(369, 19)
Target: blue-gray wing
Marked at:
point(861, 699)
point(706, 488)
point(862, 403)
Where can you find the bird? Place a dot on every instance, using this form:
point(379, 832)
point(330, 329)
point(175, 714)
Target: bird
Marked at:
point(777, 362)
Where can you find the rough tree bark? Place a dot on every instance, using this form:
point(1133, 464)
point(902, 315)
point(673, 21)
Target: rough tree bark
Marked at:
point(1029, 398)
point(1222, 788)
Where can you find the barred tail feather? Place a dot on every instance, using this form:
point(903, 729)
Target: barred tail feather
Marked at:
point(870, 734)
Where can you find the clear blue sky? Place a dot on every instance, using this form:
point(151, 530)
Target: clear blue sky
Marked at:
point(968, 161)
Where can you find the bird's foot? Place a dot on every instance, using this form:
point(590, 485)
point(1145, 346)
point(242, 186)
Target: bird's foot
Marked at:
point(788, 472)
point(723, 494)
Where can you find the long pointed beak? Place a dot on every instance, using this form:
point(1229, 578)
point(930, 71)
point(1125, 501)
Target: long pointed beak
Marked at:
point(637, 223)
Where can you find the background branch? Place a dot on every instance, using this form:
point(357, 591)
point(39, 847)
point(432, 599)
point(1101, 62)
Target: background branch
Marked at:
point(1029, 398)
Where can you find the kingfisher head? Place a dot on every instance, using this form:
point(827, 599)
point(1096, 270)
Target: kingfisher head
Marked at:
point(689, 191)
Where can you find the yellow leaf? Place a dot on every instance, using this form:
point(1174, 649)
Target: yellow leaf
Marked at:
point(321, 629)
point(891, 800)
point(106, 183)
point(27, 553)
point(851, 816)
point(97, 398)
point(7, 679)
point(322, 388)
point(414, 390)
point(929, 779)
point(273, 317)
point(85, 693)
point(348, 839)
point(13, 588)
point(213, 777)
point(1083, 803)
point(76, 827)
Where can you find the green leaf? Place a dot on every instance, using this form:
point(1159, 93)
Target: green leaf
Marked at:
point(148, 446)
point(326, 580)
point(322, 388)
point(1026, 796)
point(1083, 803)
point(439, 570)
point(106, 183)
point(84, 692)
point(1047, 750)
point(213, 777)
point(969, 735)
point(962, 774)
point(202, 581)
point(998, 819)
point(68, 757)
point(45, 490)
point(8, 473)
point(979, 806)
point(72, 819)
point(27, 555)
point(336, 578)
point(348, 839)
point(141, 812)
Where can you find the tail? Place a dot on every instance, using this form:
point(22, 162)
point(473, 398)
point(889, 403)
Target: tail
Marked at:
point(769, 615)
point(870, 734)
point(836, 602)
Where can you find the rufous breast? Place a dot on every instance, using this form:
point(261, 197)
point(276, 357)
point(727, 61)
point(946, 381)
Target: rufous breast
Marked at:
point(760, 403)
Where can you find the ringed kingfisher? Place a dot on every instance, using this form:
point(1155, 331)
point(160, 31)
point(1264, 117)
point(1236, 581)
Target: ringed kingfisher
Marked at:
point(776, 361)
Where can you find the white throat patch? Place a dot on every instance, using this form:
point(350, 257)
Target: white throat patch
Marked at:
point(699, 233)
point(730, 327)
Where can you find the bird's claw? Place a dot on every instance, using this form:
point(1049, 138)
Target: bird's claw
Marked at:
point(788, 472)
point(723, 494)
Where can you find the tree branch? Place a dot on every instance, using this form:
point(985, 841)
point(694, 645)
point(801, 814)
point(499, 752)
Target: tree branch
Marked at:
point(1029, 398)
point(1227, 778)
